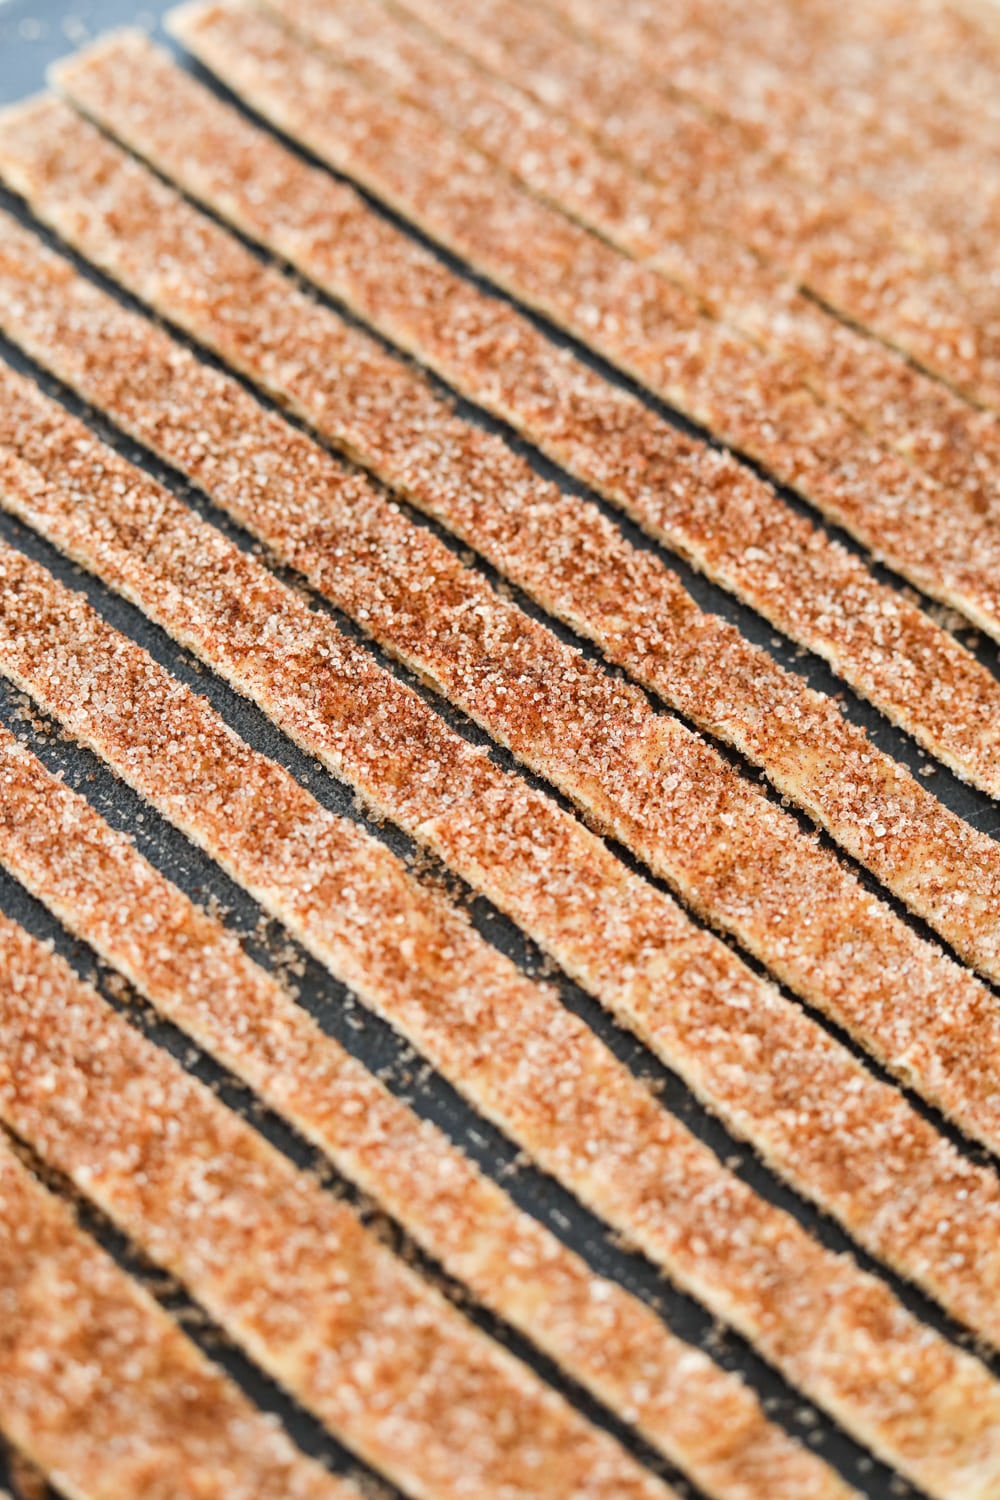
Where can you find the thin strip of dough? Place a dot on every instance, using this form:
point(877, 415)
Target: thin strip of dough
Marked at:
point(504, 1041)
point(268, 644)
point(286, 1268)
point(550, 545)
point(646, 326)
point(702, 503)
point(555, 547)
point(656, 786)
point(102, 1390)
point(949, 54)
point(843, 246)
point(523, 1060)
point(944, 196)
point(196, 974)
point(953, 442)
point(818, 69)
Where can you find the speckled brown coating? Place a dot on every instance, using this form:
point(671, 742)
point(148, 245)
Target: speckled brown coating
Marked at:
point(818, 80)
point(196, 974)
point(954, 443)
point(99, 1387)
point(839, 89)
point(649, 328)
point(700, 502)
point(931, 858)
point(938, 174)
point(523, 1060)
point(902, 1181)
point(680, 491)
point(644, 777)
point(841, 244)
point(653, 783)
point(285, 1267)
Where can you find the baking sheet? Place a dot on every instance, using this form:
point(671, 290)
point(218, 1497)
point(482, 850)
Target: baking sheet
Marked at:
point(32, 34)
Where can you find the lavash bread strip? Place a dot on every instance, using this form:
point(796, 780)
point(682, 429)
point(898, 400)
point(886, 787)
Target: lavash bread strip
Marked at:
point(196, 974)
point(944, 195)
point(915, 1009)
point(558, 549)
point(524, 1061)
point(927, 66)
point(904, 1180)
point(101, 1389)
point(953, 442)
point(698, 501)
point(843, 247)
point(647, 327)
point(285, 1267)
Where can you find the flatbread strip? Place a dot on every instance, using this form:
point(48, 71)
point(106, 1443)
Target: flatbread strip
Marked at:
point(522, 1059)
point(658, 47)
point(950, 54)
point(589, 735)
point(843, 246)
point(853, 73)
point(944, 193)
point(102, 1390)
point(650, 329)
point(932, 859)
point(197, 975)
point(142, 542)
point(799, 75)
point(626, 312)
point(833, 76)
point(328, 231)
point(701, 502)
point(283, 1266)
point(644, 777)
point(956, 444)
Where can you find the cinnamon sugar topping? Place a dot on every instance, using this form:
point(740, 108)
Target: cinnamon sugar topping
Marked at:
point(98, 1385)
point(701, 503)
point(557, 150)
point(261, 637)
point(616, 74)
point(559, 550)
point(644, 777)
point(524, 1061)
point(950, 440)
point(286, 1268)
point(647, 327)
point(937, 172)
point(195, 972)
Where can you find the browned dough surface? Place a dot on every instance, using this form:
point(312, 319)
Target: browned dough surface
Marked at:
point(99, 1387)
point(197, 975)
point(644, 777)
point(814, 1122)
point(281, 1264)
point(524, 1061)
point(646, 326)
point(838, 243)
point(555, 547)
point(953, 442)
point(705, 505)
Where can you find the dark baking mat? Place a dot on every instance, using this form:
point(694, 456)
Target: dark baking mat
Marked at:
point(32, 34)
